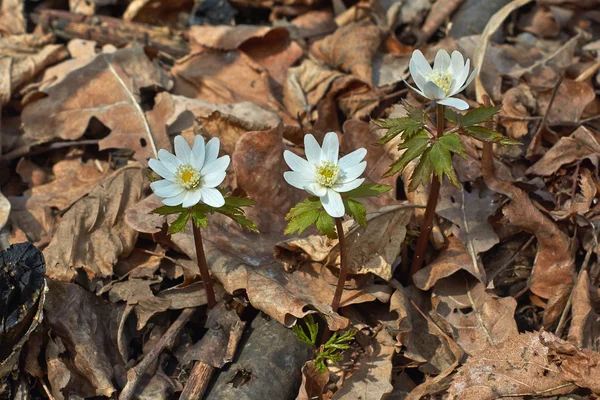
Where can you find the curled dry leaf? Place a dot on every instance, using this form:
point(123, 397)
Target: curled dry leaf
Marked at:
point(581, 144)
point(313, 382)
point(158, 12)
point(93, 233)
point(479, 319)
point(12, 19)
point(108, 89)
point(583, 199)
point(518, 102)
point(372, 374)
point(570, 101)
point(585, 323)
point(519, 366)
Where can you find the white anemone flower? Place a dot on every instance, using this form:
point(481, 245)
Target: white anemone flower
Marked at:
point(191, 175)
point(322, 174)
point(444, 80)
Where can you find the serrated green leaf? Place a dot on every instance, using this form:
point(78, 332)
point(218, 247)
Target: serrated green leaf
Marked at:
point(452, 143)
point(168, 210)
point(478, 115)
point(422, 173)
point(199, 217)
point(452, 115)
point(414, 112)
point(414, 148)
point(405, 126)
point(366, 190)
point(326, 225)
point(303, 215)
point(357, 211)
point(239, 201)
point(441, 160)
point(179, 224)
point(488, 135)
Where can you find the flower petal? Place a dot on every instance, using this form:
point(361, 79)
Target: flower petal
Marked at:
point(442, 60)
point(182, 149)
point(454, 102)
point(212, 150)
point(312, 149)
point(158, 167)
point(192, 197)
point(212, 197)
point(416, 74)
point(457, 63)
point(316, 190)
point(169, 160)
point(471, 77)
point(331, 148)
point(198, 152)
point(297, 163)
point(333, 204)
point(459, 78)
point(433, 91)
point(353, 172)
point(219, 165)
point(175, 200)
point(423, 66)
point(298, 180)
point(412, 87)
point(166, 188)
point(352, 159)
point(213, 179)
point(348, 186)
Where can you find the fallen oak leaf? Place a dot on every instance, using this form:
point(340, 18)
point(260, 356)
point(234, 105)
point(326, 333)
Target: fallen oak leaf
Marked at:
point(585, 323)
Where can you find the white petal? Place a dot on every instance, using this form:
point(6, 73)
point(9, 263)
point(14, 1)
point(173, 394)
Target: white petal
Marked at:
point(348, 186)
point(158, 167)
point(332, 203)
point(416, 74)
point(316, 190)
point(212, 197)
point(298, 180)
point(312, 149)
point(459, 78)
point(192, 197)
point(213, 179)
point(433, 91)
point(454, 102)
point(442, 60)
point(421, 62)
point(296, 163)
point(353, 172)
point(182, 149)
point(413, 88)
point(175, 200)
point(166, 188)
point(331, 148)
point(212, 150)
point(457, 64)
point(352, 159)
point(169, 160)
point(219, 165)
point(473, 75)
point(198, 152)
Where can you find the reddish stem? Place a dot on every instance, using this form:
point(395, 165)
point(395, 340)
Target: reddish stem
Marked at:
point(434, 192)
point(337, 297)
point(203, 267)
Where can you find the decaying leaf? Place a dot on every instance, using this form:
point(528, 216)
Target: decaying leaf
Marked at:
point(93, 233)
point(518, 102)
point(12, 18)
point(585, 325)
point(313, 382)
point(570, 101)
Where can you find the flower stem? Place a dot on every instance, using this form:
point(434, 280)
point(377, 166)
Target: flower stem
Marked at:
point(434, 192)
point(203, 267)
point(337, 297)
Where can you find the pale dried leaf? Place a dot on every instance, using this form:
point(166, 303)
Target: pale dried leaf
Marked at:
point(585, 324)
point(12, 19)
point(313, 382)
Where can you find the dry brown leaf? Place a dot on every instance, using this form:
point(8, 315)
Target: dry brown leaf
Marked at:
point(4, 210)
point(157, 12)
point(82, 52)
point(12, 19)
point(311, 24)
point(479, 319)
point(351, 49)
point(313, 382)
point(581, 203)
point(73, 179)
point(519, 366)
point(108, 89)
point(581, 144)
point(372, 374)
point(517, 102)
point(570, 101)
point(469, 212)
point(585, 324)
point(93, 233)
point(225, 37)
point(541, 23)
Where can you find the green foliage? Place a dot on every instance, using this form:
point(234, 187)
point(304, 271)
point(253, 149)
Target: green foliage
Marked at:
point(422, 172)
point(488, 135)
point(333, 349)
point(367, 190)
point(472, 117)
point(303, 215)
point(357, 211)
point(199, 213)
point(414, 148)
point(313, 330)
point(326, 225)
point(406, 127)
point(441, 160)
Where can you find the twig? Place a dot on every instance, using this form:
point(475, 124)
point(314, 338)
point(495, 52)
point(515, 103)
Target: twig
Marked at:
point(543, 123)
point(434, 193)
point(588, 72)
point(135, 374)
point(337, 297)
point(203, 267)
point(198, 381)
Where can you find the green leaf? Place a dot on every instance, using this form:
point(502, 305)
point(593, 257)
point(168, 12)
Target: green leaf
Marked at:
point(325, 225)
point(414, 112)
point(422, 173)
point(168, 210)
point(488, 135)
point(367, 189)
point(406, 126)
point(313, 330)
point(452, 143)
point(239, 201)
point(199, 217)
point(303, 215)
point(357, 211)
point(414, 148)
point(452, 115)
point(441, 160)
point(151, 177)
point(179, 224)
point(478, 115)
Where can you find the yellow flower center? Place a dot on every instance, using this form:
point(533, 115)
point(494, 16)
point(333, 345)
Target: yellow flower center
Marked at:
point(443, 79)
point(327, 174)
point(187, 176)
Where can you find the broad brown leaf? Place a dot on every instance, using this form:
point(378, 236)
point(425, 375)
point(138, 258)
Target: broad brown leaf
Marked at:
point(12, 17)
point(585, 324)
point(518, 102)
point(570, 101)
point(313, 382)
point(93, 233)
